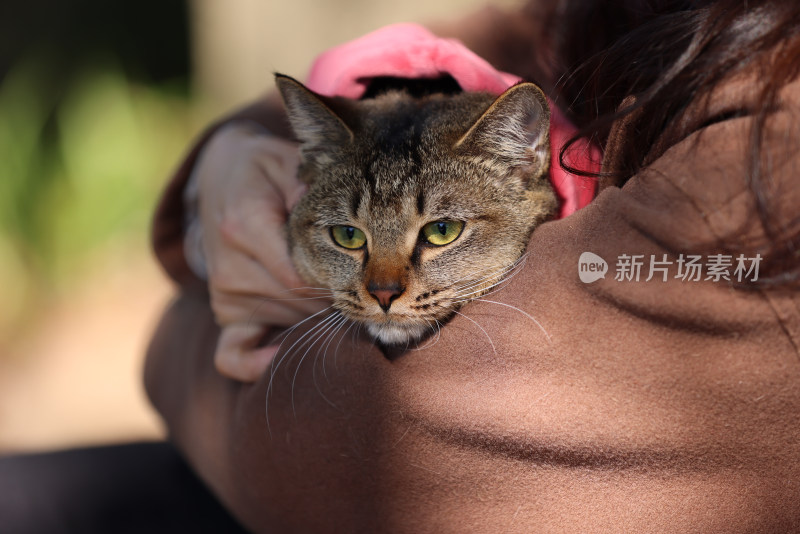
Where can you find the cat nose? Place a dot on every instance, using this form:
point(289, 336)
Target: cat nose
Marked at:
point(385, 295)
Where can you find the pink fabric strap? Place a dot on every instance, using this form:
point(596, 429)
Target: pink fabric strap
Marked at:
point(411, 51)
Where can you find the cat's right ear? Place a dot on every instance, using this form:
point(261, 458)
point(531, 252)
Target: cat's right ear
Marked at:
point(319, 129)
point(514, 133)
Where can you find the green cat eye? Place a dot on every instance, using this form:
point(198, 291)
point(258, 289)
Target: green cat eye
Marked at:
point(348, 236)
point(442, 232)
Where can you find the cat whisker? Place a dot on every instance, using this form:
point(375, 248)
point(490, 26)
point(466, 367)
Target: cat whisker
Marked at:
point(480, 293)
point(333, 329)
point(498, 272)
point(319, 331)
point(285, 334)
point(475, 293)
point(264, 300)
point(308, 336)
point(324, 351)
point(326, 294)
point(307, 288)
point(502, 273)
point(312, 333)
point(335, 333)
point(471, 279)
point(478, 287)
point(503, 276)
point(356, 332)
point(523, 312)
point(519, 260)
point(270, 299)
point(280, 357)
point(341, 338)
point(482, 329)
point(493, 288)
point(436, 327)
point(469, 276)
point(353, 304)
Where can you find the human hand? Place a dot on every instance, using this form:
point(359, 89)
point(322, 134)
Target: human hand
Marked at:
point(247, 185)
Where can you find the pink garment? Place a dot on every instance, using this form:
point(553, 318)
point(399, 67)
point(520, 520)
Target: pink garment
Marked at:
point(411, 51)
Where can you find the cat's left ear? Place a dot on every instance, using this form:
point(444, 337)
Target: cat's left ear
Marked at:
point(514, 132)
point(320, 130)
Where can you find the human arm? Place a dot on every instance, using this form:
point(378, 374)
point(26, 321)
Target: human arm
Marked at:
point(242, 173)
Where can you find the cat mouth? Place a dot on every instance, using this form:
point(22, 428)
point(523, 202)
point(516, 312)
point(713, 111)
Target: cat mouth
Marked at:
point(394, 333)
point(398, 326)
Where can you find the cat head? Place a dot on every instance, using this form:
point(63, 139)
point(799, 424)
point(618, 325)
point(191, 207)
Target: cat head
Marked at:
point(416, 205)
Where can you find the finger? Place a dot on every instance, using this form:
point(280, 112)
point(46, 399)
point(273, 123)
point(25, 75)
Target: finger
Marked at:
point(248, 308)
point(267, 245)
point(232, 271)
point(235, 275)
point(236, 356)
point(274, 256)
point(253, 219)
point(255, 230)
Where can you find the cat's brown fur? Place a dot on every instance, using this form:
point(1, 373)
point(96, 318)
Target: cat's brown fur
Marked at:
point(390, 165)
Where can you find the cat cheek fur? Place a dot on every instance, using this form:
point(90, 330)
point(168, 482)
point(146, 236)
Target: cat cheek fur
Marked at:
point(318, 261)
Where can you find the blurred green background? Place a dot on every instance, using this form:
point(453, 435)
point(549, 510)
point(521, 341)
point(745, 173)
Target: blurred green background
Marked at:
point(98, 100)
point(96, 105)
point(93, 112)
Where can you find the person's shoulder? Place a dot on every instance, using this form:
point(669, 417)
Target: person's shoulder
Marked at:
point(727, 159)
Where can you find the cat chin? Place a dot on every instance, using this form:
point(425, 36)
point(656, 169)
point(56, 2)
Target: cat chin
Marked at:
point(395, 334)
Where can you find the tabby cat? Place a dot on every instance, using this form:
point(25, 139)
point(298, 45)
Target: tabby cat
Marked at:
point(416, 203)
